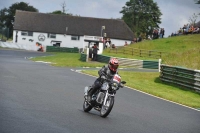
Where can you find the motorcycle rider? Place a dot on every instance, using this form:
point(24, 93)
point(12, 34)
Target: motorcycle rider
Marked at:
point(107, 71)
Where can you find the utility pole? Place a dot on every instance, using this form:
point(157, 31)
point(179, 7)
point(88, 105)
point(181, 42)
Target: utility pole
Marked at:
point(63, 7)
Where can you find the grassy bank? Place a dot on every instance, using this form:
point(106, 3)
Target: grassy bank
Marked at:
point(181, 51)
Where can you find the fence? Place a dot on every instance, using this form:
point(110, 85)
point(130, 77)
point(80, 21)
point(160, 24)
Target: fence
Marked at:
point(181, 76)
point(138, 52)
point(61, 49)
point(125, 62)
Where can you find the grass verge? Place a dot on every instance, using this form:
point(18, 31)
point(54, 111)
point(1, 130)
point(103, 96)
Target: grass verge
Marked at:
point(149, 82)
point(67, 60)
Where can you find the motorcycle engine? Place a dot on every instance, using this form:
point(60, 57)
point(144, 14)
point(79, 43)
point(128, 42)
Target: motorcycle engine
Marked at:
point(100, 97)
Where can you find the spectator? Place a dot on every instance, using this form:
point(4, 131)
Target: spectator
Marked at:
point(149, 37)
point(163, 32)
point(126, 44)
point(180, 32)
point(113, 46)
point(104, 43)
point(160, 33)
point(90, 52)
point(187, 29)
point(196, 30)
point(95, 50)
point(139, 39)
point(155, 34)
point(134, 40)
point(107, 45)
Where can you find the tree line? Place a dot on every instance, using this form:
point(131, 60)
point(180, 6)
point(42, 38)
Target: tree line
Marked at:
point(142, 16)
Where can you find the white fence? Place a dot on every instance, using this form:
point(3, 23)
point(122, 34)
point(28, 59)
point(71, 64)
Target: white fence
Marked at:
point(31, 47)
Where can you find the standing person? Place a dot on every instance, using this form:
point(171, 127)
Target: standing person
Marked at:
point(126, 44)
point(160, 33)
point(104, 43)
point(90, 52)
point(95, 50)
point(163, 32)
point(187, 28)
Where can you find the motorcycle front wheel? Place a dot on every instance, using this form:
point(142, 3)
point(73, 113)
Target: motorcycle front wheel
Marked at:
point(106, 109)
point(86, 107)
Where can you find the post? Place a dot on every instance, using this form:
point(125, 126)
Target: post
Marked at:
point(132, 51)
point(159, 64)
point(87, 56)
point(102, 28)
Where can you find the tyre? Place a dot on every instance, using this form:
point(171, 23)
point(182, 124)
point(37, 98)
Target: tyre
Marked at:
point(86, 107)
point(106, 109)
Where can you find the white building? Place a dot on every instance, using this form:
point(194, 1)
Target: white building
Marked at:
point(66, 31)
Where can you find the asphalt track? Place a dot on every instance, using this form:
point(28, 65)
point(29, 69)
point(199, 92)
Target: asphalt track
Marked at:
point(38, 98)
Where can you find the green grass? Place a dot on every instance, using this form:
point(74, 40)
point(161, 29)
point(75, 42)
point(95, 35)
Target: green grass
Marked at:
point(67, 60)
point(181, 51)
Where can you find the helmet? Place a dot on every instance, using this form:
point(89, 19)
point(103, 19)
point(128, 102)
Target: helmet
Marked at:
point(113, 64)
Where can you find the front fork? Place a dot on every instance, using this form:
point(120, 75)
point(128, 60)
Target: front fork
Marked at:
point(86, 90)
point(106, 96)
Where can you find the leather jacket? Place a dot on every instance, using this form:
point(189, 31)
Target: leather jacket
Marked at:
point(106, 72)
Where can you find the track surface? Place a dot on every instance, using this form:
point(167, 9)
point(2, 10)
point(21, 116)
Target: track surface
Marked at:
point(39, 98)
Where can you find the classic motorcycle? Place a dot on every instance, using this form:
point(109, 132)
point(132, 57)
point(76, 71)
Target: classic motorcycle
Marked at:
point(103, 98)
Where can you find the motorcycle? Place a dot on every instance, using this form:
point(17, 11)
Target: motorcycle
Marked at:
point(103, 98)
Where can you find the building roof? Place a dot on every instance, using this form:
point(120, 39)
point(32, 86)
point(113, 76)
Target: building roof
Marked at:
point(54, 23)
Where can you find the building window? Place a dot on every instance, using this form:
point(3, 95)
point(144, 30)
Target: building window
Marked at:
point(75, 37)
point(50, 35)
point(26, 33)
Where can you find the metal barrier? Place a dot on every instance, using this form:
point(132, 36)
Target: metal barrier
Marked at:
point(134, 63)
point(181, 76)
point(138, 52)
point(83, 57)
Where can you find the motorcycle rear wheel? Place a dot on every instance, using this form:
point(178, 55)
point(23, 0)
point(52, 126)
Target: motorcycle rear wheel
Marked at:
point(106, 109)
point(86, 107)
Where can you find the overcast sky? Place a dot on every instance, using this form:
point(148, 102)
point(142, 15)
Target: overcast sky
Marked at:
point(176, 13)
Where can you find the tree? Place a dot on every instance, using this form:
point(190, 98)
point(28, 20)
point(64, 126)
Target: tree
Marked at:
point(192, 19)
point(197, 2)
point(7, 15)
point(60, 12)
point(2, 17)
point(142, 16)
point(63, 7)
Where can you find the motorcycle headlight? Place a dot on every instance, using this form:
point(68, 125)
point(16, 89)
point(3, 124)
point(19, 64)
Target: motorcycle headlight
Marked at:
point(114, 87)
point(105, 86)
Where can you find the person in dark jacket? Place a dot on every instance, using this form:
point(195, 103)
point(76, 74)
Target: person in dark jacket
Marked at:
point(107, 71)
point(95, 50)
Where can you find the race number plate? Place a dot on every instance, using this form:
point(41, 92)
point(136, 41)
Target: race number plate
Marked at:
point(117, 78)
